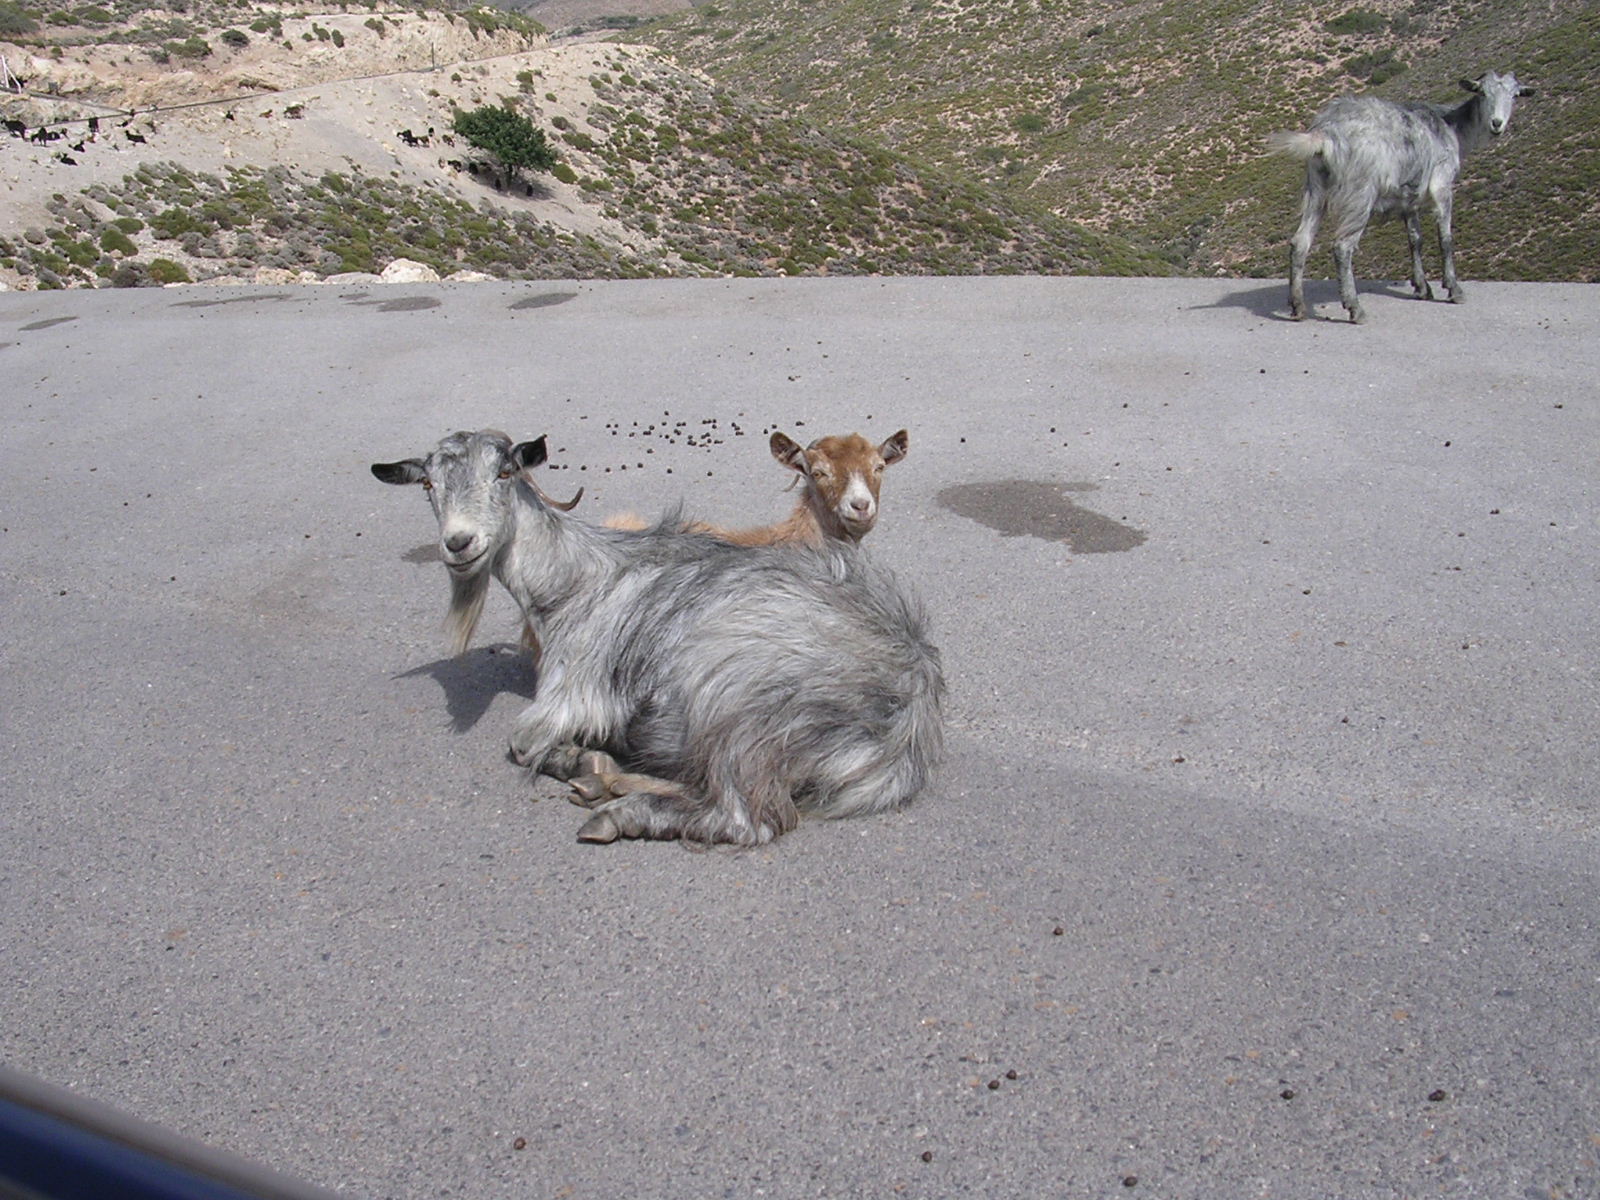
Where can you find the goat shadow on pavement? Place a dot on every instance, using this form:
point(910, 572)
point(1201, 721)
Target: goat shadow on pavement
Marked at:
point(1271, 301)
point(473, 680)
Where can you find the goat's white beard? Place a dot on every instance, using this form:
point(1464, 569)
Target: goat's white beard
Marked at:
point(466, 606)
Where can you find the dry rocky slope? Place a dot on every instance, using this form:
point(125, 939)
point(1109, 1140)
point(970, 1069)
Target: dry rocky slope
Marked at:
point(1148, 119)
point(313, 146)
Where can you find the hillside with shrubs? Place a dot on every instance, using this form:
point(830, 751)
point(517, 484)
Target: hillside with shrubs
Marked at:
point(1148, 119)
point(246, 142)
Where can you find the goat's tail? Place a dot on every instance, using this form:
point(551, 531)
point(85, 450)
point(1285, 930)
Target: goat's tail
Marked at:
point(1295, 145)
point(897, 762)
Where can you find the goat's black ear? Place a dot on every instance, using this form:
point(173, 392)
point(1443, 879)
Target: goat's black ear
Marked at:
point(895, 447)
point(787, 451)
point(407, 470)
point(529, 454)
point(1472, 85)
point(1527, 91)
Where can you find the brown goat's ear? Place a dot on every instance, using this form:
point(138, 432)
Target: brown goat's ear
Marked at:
point(1472, 85)
point(788, 451)
point(894, 449)
point(529, 454)
point(407, 470)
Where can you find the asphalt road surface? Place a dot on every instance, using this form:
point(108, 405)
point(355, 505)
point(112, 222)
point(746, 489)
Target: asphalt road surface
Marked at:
point(1263, 862)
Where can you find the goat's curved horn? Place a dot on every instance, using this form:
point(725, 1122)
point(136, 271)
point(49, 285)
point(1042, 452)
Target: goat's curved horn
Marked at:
point(557, 504)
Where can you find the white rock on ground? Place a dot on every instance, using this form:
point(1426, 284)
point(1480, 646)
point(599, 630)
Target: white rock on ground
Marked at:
point(404, 270)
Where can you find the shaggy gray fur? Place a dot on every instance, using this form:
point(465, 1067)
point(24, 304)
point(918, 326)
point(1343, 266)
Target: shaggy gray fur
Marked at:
point(754, 683)
point(1367, 157)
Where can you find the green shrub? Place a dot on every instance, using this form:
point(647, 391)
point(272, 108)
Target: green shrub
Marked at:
point(175, 222)
point(130, 275)
point(564, 173)
point(164, 270)
point(115, 240)
point(191, 47)
point(1357, 22)
point(14, 22)
point(237, 38)
point(1375, 68)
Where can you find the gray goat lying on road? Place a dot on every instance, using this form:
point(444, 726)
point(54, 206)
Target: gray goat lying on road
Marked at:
point(747, 685)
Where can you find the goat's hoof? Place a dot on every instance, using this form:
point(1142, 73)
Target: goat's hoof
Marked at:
point(597, 762)
point(599, 828)
point(1358, 316)
point(563, 762)
point(589, 790)
point(1457, 296)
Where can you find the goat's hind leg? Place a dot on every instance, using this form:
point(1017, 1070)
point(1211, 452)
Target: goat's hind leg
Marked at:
point(667, 810)
point(1344, 252)
point(1300, 249)
point(1419, 275)
point(1442, 209)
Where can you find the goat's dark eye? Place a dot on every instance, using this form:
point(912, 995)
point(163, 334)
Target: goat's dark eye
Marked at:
point(427, 485)
point(505, 472)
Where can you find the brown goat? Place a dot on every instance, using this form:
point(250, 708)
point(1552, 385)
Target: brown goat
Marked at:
point(840, 475)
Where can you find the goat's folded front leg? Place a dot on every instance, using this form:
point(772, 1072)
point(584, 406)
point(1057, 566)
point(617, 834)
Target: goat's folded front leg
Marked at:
point(540, 735)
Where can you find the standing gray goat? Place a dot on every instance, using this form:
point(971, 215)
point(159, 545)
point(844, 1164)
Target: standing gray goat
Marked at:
point(750, 684)
point(1367, 157)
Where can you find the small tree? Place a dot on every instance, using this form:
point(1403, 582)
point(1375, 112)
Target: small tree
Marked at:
point(508, 138)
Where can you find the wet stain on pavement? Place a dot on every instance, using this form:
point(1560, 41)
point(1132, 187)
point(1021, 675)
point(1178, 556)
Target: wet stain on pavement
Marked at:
point(248, 299)
point(1041, 509)
point(544, 300)
point(397, 304)
point(37, 325)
